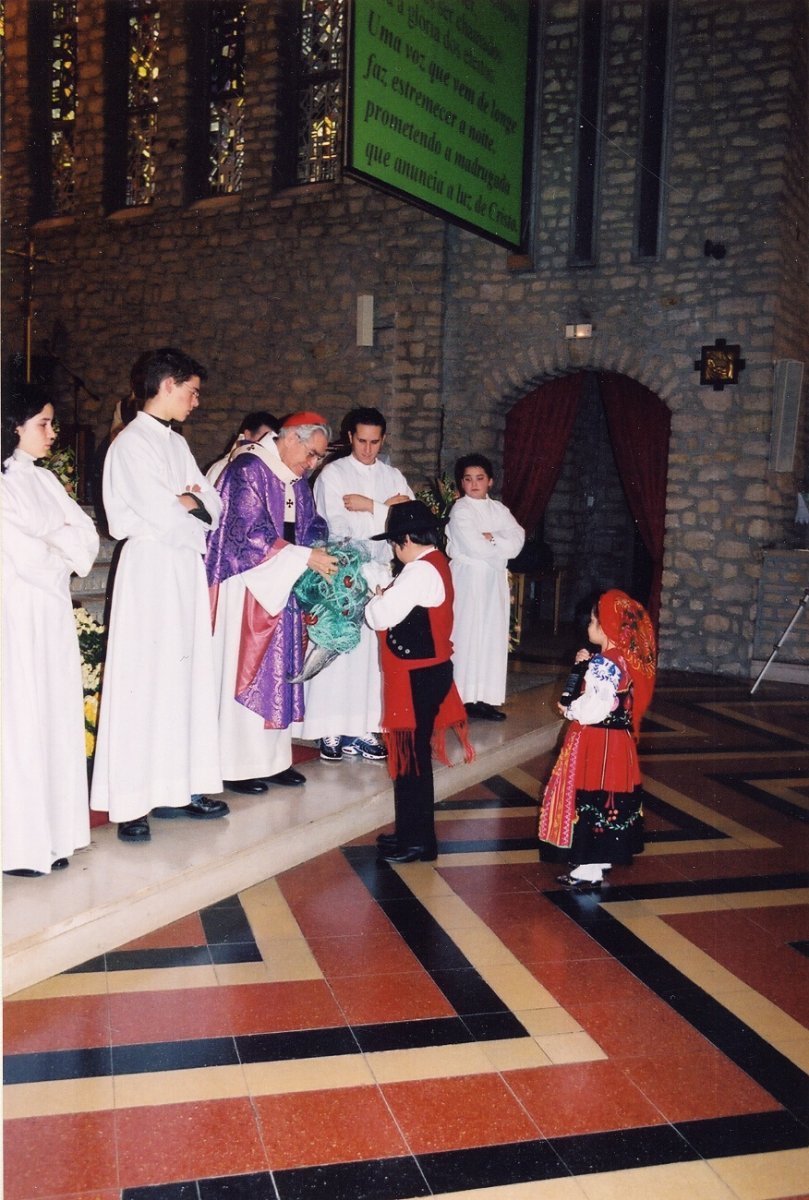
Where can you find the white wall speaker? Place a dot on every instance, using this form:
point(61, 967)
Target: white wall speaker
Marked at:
point(786, 410)
point(365, 320)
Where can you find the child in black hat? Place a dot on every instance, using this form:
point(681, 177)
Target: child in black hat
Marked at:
point(413, 617)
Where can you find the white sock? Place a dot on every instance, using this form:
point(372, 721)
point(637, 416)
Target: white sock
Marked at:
point(590, 872)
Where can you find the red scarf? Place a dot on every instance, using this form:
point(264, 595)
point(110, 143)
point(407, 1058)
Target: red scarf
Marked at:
point(627, 624)
point(398, 714)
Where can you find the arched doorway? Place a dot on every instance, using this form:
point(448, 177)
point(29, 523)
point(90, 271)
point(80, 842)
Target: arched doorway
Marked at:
point(585, 465)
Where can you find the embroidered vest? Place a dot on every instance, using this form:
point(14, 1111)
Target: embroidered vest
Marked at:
point(423, 638)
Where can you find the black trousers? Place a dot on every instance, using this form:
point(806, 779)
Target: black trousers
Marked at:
point(413, 791)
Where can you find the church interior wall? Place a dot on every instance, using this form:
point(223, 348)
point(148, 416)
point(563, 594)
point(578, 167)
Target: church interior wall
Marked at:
point(731, 135)
point(262, 287)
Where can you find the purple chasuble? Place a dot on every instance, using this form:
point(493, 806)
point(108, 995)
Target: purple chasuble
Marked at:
point(250, 532)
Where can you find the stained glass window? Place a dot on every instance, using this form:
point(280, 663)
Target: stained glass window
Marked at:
point(654, 128)
point(320, 107)
point(226, 97)
point(142, 100)
point(63, 102)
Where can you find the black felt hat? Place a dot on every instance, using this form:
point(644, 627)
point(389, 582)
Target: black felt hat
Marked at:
point(411, 516)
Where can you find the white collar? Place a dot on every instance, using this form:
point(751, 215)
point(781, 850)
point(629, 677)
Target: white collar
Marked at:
point(267, 451)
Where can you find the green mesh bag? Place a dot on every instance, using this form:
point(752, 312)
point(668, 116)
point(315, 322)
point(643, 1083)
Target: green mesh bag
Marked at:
point(333, 608)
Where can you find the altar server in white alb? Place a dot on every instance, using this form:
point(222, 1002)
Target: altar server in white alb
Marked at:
point(355, 495)
point(45, 536)
point(157, 750)
point(482, 536)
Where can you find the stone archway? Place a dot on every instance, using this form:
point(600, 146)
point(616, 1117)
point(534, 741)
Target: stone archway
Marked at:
point(585, 465)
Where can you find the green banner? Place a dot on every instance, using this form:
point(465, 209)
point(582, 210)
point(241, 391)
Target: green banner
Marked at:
point(437, 106)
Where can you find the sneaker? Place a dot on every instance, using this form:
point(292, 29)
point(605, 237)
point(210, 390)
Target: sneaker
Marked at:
point(370, 747)
point(331, 749)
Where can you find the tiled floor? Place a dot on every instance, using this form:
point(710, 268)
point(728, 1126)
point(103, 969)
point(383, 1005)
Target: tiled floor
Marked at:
point(351, 1032)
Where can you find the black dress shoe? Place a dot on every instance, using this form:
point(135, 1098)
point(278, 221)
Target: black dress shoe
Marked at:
point(484, 712)
point(59, 864)
point(135, 831)
point(247, 787)
point(25, 873)
point(387, 841)
point(288, 778)
point(409, 854)
point(201, 809)
point(581, 886)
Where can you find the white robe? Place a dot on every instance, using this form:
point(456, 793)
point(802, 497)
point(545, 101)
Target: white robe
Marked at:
point(346, 697)
point(45, 536)
point(248, 749)
point(482, 604)
point(158, 741)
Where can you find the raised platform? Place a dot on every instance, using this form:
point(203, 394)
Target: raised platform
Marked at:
point(113, 892)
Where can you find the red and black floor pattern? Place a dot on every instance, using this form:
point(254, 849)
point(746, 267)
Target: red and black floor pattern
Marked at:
point(467, 1028)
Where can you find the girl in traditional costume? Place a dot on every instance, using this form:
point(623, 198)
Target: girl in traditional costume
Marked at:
point(591, 814)
point(45, 536)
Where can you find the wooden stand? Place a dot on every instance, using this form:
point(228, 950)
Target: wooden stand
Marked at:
point(555, 576)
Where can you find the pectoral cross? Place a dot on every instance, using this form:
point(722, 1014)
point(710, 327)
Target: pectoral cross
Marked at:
point(31, 259)
point(290, 504)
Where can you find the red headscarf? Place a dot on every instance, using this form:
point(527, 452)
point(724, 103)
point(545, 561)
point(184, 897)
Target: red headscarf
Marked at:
point(627, 624)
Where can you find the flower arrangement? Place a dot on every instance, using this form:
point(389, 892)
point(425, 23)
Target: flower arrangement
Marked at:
point(62, 462)
point(439, 496)
point(515, 616)
point(91, 644)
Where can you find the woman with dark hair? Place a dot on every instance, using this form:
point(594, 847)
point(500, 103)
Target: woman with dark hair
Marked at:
point(482, 536)
point(45, 537)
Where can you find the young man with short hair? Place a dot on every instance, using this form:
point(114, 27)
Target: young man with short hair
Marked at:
point(157, 750)
point(355, 494)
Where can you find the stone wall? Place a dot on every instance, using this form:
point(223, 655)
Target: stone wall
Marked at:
point(262, 287)
point(783, 615)
point(733, 171)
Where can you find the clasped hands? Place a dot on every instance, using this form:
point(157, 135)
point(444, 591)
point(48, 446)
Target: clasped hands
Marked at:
point(354, 502)
point(186, 498)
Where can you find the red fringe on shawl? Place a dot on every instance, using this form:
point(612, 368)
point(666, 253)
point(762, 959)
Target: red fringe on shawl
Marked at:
point(399, 743)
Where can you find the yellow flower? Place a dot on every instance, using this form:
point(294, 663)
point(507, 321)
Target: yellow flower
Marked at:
point(89, 743)
point(91, 708)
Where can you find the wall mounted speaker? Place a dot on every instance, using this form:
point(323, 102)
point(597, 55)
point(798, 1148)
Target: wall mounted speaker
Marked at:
point(786, 410)
point(365, 320)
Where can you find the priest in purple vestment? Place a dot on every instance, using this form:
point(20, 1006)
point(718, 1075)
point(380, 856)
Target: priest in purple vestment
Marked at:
point(265, 541)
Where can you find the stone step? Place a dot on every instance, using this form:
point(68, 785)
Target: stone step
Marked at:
point(106, 549)
point(114, 893)
point(93, 603)
point(90, 592)
point(94, 581)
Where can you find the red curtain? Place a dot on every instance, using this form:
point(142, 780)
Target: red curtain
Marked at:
point(538, 429)
point(639, 424)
